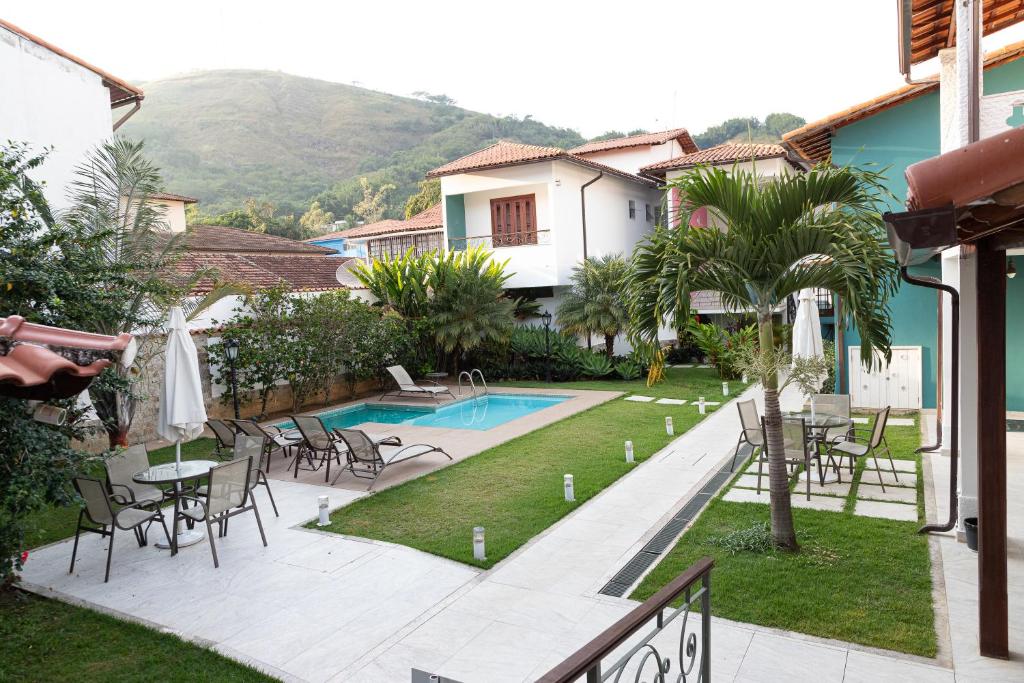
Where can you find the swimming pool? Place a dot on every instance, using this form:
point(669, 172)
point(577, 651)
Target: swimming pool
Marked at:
point(482, 413)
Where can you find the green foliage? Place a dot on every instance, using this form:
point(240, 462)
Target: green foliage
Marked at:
point(224, 136)
point(373, 204)
point(749, 129)
point(428, 196)
point(595, 302)
point(315, 220)
point(595, 365)
point(756, 538)
point(628, 369)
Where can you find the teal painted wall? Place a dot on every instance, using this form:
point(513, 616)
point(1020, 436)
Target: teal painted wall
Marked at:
point(890, 141)
point(455, 216)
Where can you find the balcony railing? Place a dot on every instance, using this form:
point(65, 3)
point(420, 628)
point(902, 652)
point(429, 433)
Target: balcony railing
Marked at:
point(691, 650)
point(519, 239)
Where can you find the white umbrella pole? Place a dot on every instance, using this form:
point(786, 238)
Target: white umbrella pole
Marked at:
point(177, 454)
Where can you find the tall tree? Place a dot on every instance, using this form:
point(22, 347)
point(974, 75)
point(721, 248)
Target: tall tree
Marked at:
point(429, 194)
point(596, 302)
point(315, 220)
point(372, 207)
point(772, 238)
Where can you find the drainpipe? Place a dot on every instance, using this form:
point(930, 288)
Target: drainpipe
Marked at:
point(938, 384)
point(135, 108)
point(954, 408)
point(583, 207)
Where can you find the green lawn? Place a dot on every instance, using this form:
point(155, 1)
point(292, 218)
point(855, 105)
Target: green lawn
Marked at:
point(58, 522)
point(514, 490)
point(48, 640)
point(857, 579)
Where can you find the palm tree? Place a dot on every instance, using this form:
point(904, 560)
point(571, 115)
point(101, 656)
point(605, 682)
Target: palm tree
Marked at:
point(596, 302)
point(776, 236)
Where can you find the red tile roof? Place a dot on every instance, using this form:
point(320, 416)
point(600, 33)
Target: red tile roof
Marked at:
point(121, 92)
point(42, 362)
point(728, 153)
point(641, 140)
point(202, 238)
point(428, 219)
point(171, 197)
point(298, 272)
point(502, 154)
point(814, 140)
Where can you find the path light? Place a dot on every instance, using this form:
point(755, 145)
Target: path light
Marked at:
point(322, 504)
point(700, 405)
point(478, 544)
point(744, 378)
point(725, 388)
point(629, 451)
point(570, 494)
point(668, 426)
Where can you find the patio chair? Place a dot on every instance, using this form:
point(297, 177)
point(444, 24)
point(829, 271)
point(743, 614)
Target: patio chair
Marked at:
point(365, 460)
point(320, 443)
point(274, 438)
point(874, 446)
point(225, 436)
point(407, 386)
point(251, 448)
point(751, 430)
point(833, 404)
point(124, 465)
point(100, 513)
point(795, 451)
point(227, 495)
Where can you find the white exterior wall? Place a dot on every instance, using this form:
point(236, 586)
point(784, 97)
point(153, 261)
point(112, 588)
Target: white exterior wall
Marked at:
point(632, 159)
point(765, 168)
point(50, 101)
point(173, 213)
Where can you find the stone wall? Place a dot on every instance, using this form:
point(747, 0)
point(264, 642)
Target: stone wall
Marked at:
point(279, 404)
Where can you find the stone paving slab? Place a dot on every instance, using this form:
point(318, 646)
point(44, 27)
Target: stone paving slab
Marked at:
point(798, 499)
point(671, 401)
point(639, 399)
point(874, 508)
point(893, 421)
point(908, 479)
point(893, 494)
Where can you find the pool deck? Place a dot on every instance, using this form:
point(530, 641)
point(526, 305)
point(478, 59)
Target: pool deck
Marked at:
point(459, 443)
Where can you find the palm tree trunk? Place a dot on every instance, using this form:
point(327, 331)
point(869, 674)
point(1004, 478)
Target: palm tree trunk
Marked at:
point(783, 533)
point(609, 345)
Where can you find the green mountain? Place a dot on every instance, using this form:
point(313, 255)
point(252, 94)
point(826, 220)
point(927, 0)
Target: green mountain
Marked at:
point(225, 136)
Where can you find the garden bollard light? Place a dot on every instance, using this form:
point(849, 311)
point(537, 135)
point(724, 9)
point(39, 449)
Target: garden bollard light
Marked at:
point(322, 504)
point(629, 451)
point(478, 544)
point(700, 406)
point(570, 494)
point(668, 426)
point(744, 378)
point(725, 388)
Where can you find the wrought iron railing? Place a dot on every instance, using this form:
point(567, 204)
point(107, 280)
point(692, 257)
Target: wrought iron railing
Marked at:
point(516, 239)
point(643, 660)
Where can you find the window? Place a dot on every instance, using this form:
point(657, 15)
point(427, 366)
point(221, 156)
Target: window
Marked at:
point(514, 221)
point(397, 245)
point(632, 209)
point(649, 213)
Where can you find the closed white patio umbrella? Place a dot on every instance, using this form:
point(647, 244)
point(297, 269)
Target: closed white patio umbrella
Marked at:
point(182, 411)
point(807, 328)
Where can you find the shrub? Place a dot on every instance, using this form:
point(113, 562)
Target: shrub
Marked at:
point(628, 369)
point(754, 539)
point(594, 365)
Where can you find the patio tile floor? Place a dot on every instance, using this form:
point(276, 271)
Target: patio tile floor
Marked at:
point(874, 508)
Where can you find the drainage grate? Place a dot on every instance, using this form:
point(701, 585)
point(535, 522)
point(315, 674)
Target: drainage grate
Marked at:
point(1015, 425)
point(659, 543)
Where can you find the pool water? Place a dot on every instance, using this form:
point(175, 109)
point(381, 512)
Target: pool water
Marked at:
point(482, 413)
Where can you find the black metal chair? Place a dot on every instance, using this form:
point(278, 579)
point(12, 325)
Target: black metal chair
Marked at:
point(796, 451)
point(99, 511)
point(318, 447)
point(121, 467)
point(251, 448)
point(274, 438)
point(225, 435)
point(228, 494)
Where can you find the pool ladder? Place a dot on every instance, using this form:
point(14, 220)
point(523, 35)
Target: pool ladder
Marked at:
point(469, 376)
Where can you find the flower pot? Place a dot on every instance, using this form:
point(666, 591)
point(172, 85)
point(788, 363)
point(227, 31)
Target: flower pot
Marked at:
point(971, 531)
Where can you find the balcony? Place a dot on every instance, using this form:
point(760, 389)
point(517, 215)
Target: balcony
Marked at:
point(520, 239)
point(530, 255)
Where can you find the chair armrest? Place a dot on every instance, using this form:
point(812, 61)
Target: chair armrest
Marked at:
point(119, 498)
point(198, 501)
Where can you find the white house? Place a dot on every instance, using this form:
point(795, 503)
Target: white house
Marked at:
point(52, 99)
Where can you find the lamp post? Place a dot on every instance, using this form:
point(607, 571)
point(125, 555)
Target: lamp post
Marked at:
point(546, 319)
point(231, 353)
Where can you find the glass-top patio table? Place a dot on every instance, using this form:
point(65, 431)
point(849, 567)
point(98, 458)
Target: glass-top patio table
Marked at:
point(817, 423)
point(175, 474)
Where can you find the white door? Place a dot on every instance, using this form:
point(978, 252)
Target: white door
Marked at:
point(897, 384)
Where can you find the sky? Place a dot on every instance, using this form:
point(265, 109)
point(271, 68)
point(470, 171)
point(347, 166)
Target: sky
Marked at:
point(591, 66)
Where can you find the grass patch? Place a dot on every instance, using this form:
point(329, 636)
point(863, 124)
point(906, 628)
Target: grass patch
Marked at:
point(48, 640)
point(857, 579)
point(514, 490)
point(58, 522)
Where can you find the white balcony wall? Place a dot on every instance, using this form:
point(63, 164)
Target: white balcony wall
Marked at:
point(50, 101)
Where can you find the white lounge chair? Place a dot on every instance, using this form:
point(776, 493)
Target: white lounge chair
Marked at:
point(407, 386)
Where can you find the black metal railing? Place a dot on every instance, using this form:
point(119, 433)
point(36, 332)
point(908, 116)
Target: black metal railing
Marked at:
point(693, 656)
point(515, 239)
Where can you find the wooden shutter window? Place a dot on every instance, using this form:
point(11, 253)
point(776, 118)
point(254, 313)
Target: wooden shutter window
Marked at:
point(514, 221)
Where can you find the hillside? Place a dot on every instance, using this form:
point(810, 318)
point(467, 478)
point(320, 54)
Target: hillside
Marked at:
point(224, 136)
